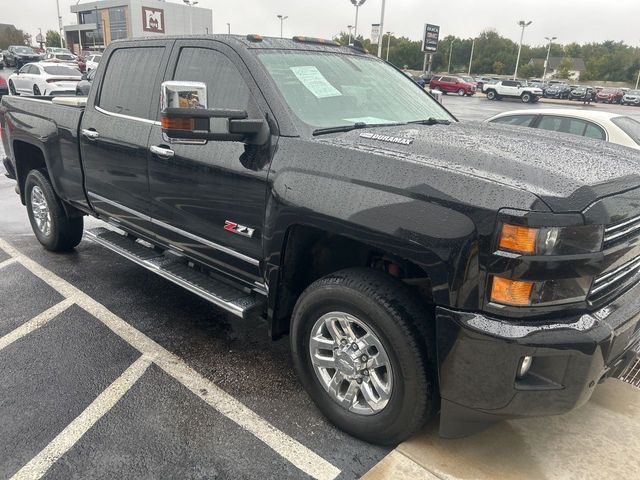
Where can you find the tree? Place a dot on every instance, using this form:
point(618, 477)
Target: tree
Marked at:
point(52, 38)
point(10, 35)
point(498, 67)
point(564, 68)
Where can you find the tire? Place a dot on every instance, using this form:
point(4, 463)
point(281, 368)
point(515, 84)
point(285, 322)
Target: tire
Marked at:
point(64, 233)
point(12, 88)
point(526, 97)
point(492, 95)
point(395, 317)
point(36, 90)
point(462, 92)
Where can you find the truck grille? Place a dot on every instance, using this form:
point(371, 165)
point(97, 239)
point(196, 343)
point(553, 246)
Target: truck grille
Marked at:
point(632, 375)
point(622, 276)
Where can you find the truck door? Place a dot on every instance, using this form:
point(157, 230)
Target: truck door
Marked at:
point(205, 198)
point(115, 130)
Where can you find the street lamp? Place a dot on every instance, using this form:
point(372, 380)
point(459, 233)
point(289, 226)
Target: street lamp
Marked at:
point(381, 30)
point(228, 29)
point(190, 3)
point(282, 19)
point(546, 63)
point(524, 25)
point(59, 22)
point(357, 4)
point(473, 46)
point(450, 52)
point(388, 44)
point(638, 80)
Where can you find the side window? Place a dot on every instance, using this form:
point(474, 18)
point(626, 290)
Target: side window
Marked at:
point(225, 86)
point(25, 69)
point(550, 123)
point(519, 120)
point(127, 86)
point(594, 131)
point(576, 126)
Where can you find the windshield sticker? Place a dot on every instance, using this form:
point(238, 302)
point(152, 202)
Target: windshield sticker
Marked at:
point(368, 120)
point(315, 82)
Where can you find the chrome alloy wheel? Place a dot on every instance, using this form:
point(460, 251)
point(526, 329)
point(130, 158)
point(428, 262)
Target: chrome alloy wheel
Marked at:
point(351, 363)
point(40, 210)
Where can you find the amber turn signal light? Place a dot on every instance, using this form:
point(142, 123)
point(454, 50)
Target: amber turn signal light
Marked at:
point(169, 123)
point(511, 292)
point(518, 239)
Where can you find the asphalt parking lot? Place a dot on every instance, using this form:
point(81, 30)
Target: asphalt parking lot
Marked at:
point(108, 371)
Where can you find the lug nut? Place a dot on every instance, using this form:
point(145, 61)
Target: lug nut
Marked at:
point(366, 373)
point(359, 381)
point(343, 341)
point(364, 358)
point(354, 346)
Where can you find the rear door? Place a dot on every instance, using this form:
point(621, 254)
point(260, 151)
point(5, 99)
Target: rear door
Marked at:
point(200, 192)
point(115, 130)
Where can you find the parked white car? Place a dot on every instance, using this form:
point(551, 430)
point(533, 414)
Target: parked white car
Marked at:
point(610, 127)
point(44, 79)
point(93, 61)
point(512, 89)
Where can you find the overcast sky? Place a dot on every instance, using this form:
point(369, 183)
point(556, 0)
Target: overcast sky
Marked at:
point(569, 20)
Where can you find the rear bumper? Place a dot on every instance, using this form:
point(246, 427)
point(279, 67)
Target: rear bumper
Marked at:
point(478, 357)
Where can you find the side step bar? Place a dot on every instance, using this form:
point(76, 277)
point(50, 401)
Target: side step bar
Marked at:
point(241, 303)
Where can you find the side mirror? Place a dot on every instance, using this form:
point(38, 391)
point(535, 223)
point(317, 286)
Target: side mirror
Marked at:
point(185, 117)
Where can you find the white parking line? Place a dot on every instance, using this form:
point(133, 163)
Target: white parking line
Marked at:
point(7, 262)
point(35, 323)
point(292, 450)
point(73, 432)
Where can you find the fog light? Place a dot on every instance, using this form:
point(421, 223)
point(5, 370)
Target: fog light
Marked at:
point(524, 366)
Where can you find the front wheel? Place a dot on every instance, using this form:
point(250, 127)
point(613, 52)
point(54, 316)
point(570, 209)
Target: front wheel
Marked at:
point(526, 98)
point(491, 95)
point(362, 351)
point(53, 228)
point(462, 92)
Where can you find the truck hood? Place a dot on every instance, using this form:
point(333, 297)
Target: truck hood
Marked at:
point(567, 172)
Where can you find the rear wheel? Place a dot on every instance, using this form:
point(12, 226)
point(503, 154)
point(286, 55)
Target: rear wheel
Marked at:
point(53, 228)
point(361, 351)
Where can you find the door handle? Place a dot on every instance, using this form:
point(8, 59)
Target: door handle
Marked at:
point(161, 152)
point(90, 134)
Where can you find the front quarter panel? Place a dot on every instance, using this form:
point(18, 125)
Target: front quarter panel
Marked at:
point(439, 220)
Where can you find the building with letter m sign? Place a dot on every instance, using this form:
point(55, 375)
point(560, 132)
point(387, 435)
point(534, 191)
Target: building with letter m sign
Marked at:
point(153, 20)
point(430, 38)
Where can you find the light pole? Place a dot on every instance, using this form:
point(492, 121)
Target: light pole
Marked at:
point(473, 46)
point(638, 80)
point(524, 25)
point(388, 44)
point(228, 29)
point(358, 4)
point(381, 30)
point(191, 3)
point(59, 22)
point(450, 52)
point(546, 63)
point(282, 19)
point(350, 27)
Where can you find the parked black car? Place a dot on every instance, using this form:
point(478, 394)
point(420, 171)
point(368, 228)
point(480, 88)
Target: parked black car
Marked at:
point(84, 85)
point(19, 55)
point(418, 264)
point(557, 90)
point(580, 93)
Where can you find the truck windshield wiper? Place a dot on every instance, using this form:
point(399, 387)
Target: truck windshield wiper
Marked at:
point(431, 121)
point(348, 128)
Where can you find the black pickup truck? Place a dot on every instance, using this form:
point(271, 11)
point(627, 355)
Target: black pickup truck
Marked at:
point(419, 265)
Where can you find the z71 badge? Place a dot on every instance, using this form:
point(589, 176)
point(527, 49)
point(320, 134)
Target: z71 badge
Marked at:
point(238, 229)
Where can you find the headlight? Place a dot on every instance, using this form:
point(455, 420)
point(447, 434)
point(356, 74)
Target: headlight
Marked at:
point(573, 240)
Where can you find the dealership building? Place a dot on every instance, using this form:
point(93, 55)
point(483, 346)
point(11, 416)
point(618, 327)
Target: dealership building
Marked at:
point(103, 21)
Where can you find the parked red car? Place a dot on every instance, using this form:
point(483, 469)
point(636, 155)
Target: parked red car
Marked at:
point(451, 84)
point(609, 95)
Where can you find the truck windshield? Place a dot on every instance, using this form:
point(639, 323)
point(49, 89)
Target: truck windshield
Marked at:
point(332, 90)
